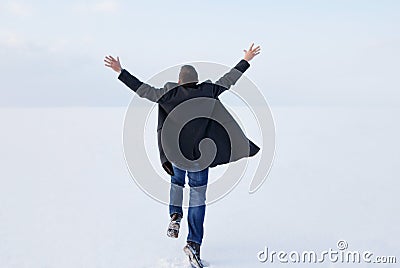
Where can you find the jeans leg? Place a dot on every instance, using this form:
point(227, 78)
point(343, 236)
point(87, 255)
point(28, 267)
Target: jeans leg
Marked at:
point(176, 191)
point(197, 207)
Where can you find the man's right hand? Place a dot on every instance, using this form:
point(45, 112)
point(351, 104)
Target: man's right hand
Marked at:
point(251, 53)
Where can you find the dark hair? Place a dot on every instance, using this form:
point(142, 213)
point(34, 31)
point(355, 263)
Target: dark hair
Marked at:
point(188, 75)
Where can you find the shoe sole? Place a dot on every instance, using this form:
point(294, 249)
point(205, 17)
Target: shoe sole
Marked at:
point(172, 233)
point(173, 230)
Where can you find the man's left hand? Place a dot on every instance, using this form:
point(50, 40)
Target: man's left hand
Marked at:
point(114, 64)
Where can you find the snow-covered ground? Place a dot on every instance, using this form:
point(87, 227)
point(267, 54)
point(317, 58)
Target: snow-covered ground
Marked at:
point(67, 199)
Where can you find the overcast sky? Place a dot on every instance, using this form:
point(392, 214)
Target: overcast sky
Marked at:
point(318, 52)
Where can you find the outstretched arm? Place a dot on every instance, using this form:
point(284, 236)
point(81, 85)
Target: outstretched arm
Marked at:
point(231, 77)
point(142, 89)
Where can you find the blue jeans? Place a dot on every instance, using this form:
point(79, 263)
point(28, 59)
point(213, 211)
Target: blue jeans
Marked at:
point(197, 197)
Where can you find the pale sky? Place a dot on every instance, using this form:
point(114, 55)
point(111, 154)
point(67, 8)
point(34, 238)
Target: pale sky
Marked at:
point(317, 52)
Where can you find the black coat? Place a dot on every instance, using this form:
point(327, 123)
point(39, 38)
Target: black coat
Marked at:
point(201, 99)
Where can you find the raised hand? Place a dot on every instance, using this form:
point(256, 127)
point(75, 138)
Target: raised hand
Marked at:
point(114, 64)
point(251, 53)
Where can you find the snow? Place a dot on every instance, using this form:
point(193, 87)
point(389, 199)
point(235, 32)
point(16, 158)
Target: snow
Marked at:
point(67, 199)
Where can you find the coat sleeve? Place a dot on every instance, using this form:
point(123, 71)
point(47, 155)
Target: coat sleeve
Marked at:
point(142, 89)
point(230, 78)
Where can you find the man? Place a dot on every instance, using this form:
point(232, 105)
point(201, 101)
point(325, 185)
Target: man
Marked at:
point(209, 120)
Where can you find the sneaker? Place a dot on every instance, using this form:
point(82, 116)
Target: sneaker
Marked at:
point(192, 250)
point(173, 227)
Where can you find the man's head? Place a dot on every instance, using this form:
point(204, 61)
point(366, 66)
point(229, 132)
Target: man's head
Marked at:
point(188, 75)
